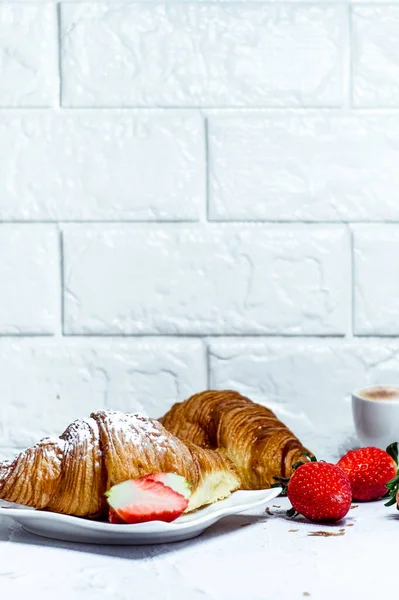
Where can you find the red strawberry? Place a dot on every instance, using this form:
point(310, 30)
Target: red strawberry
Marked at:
point(176, 482)
point(369, 470)
point(141, 500)
point(114, 518)
point(319, 491)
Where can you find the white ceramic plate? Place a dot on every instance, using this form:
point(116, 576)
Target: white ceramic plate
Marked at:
point(74, 529)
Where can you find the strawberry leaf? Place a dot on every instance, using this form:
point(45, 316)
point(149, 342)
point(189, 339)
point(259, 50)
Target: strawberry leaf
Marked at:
point(393, 487)
point(281, 482)
point(311, 457)
point(390, 502)
point(392, 450)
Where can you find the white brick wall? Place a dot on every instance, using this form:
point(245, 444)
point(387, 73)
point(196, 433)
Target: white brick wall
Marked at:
point(45, 384)
point(30, 282)
point(303, 377)
point(376, 56)
point(205, 280)
point(324, 166)
point(376, 251)
point(201, 55)
point(28, 55)
point(100, 166)
point(196, 194)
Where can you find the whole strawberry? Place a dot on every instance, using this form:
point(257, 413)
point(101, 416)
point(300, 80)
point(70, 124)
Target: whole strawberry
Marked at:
point(369, 470)
point(319, 491)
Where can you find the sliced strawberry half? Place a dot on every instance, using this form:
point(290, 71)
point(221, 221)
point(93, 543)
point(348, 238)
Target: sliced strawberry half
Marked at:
point(114, 518)
point(177, 482)
point(142, 500)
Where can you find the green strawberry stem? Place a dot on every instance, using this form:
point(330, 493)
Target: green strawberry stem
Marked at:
point(392, 450)
point(393, 484)
point(393, 487)
point(309, 457)
point(281, 482)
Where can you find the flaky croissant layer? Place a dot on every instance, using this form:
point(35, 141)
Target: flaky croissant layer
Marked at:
point(70, 474)
point(260, 446)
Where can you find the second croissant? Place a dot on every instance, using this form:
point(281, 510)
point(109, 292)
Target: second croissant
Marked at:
point(260, 446)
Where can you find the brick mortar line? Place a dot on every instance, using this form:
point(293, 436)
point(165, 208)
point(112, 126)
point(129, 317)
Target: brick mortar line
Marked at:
point(213, 223)
point(65, 340)
point(59, 53)
point(352, 303)
point(348, 58)
point(200, 336)
point(210, 111)
point(62, 282)
point(199, 107)
point(252, 3)
point(207, 363)
point(351, 55)
point(207, 168)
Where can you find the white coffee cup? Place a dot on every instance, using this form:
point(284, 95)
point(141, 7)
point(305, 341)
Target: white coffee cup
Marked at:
point(376, 415)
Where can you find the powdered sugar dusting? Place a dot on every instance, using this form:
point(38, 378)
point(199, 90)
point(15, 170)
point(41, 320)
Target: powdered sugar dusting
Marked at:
point(139, 430)
point(84, 433)
point(130, 428)
point(81, 431)
point(51, 444)
point(49, 450)
point(53, 441)
point(5, 468)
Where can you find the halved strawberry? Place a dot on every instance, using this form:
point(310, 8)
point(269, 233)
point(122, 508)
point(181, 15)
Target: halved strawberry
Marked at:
point(114, 518)
point(177, 482)
point(141, 500)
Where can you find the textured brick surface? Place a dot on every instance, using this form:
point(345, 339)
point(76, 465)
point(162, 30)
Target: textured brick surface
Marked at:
point(317, 166)
point(299, 379)
point(29, 276)
point(376, 252)
point(62, 382)
point(28, 55)
point(206, 280)
point(173, 112)
point(202, 55)
point(376, 55)
point(103, 165)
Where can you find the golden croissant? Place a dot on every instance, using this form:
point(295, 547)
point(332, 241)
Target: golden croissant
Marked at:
point(260, 446)
point(70, 474)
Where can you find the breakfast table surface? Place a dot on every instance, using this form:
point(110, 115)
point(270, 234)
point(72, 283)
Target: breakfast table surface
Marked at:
point(258, 555)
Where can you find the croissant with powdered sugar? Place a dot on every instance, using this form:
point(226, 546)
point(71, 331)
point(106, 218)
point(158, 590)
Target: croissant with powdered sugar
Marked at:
point(70, 474)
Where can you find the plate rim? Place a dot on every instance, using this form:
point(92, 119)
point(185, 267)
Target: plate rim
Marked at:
point(149, 527)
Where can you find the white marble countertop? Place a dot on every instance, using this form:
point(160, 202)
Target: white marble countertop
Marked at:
point(256, 556)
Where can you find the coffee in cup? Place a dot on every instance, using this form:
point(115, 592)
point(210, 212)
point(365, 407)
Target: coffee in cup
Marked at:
point(376, 415)
point(380, 392)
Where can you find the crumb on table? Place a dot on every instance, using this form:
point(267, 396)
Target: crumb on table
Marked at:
point(326, 533)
